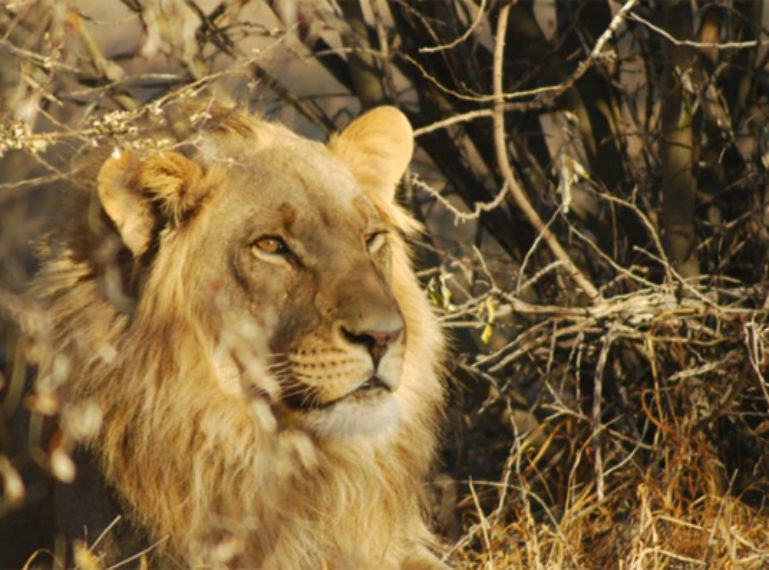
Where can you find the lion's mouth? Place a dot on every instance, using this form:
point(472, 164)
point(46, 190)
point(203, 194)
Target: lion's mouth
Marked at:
point(373, 383)
point(367, 389)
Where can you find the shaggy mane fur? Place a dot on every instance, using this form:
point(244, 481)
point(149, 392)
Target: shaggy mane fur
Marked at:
point(227, 479)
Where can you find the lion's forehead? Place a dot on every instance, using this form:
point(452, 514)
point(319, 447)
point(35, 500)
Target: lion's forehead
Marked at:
point(301, 186)
point(300, 166)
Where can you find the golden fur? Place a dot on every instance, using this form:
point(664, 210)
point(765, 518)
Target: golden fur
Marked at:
point(175, 310)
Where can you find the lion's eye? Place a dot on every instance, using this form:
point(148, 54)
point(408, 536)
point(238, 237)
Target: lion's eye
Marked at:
point(375, 241)
point(273, 245)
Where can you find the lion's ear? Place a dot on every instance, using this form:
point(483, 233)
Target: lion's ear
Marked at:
point(377, 147)
point(134, 192)
point(123, 201)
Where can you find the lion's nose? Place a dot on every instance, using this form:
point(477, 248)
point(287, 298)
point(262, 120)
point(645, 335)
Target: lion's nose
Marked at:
point(375, 341)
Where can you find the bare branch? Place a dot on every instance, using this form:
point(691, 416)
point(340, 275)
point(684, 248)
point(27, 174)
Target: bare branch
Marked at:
point(504, 165)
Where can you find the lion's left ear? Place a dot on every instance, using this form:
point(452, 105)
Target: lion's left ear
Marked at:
point(377, 147)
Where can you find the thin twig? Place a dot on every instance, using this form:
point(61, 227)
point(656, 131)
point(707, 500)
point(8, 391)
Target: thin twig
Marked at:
point(690, 43)
point(139, 554)
point(106, 530)
point(461, 38)
point(478, 207)
point(597, 425)
point(483, 522)
point(453, 120)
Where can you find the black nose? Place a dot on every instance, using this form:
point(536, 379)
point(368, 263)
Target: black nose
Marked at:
point(375, 341)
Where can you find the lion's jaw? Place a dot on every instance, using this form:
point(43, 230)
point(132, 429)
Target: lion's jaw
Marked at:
point(368, 416)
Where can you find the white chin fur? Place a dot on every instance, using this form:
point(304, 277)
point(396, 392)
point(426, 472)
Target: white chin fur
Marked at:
point(355, 418)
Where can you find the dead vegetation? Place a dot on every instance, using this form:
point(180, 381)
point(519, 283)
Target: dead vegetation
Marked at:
point(593, 176)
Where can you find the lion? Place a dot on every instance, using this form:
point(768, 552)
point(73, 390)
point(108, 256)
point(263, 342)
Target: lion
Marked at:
point(239, 309)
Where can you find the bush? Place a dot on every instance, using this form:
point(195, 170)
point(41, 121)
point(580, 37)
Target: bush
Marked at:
point(593, 178)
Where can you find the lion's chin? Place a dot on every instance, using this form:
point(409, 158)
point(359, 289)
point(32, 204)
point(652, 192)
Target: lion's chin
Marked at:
point(370, 416)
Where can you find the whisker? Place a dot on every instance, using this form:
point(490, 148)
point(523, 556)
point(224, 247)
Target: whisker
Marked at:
point(304, 390)
point(277, 355)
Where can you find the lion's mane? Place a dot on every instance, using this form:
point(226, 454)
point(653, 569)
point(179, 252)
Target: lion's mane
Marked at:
point(223, 478)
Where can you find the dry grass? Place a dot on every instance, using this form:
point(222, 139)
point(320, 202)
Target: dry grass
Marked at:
point(667, 470)
point(636, 526)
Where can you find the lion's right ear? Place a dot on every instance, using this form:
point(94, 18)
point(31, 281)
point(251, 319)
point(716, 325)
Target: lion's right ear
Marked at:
point(377, 147)
point(134, 193)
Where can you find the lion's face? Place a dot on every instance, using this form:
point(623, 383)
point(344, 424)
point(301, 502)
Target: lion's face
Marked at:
point(303, 252)
point(290, 245)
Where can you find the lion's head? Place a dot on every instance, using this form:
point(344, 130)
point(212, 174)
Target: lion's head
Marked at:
point(245, 316)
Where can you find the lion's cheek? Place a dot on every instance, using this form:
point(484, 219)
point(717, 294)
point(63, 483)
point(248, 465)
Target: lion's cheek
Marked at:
point(390, 369)
point(297, 319)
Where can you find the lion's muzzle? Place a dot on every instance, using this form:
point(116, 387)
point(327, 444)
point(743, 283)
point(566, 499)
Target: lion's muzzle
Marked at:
point(376, 341)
